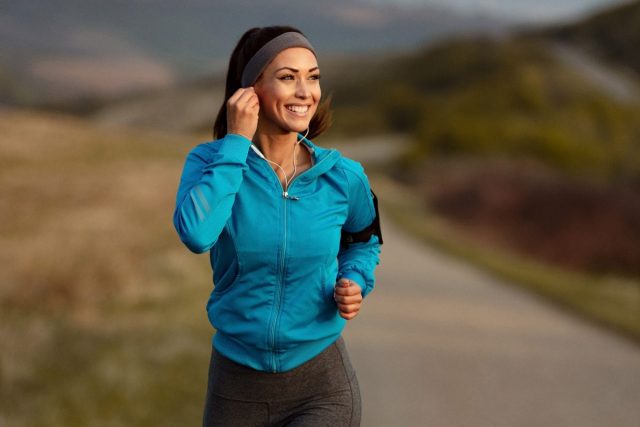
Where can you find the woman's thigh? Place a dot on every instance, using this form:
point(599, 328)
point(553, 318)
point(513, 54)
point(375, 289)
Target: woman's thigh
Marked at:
point(342, 409)
point(223, 412)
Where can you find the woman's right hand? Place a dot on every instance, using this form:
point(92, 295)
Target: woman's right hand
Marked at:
point(242, 112)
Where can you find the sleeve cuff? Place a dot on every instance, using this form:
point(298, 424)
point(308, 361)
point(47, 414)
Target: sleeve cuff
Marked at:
point(234, 146)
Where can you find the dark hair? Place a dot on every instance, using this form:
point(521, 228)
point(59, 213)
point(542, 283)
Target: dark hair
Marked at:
point(250, 42)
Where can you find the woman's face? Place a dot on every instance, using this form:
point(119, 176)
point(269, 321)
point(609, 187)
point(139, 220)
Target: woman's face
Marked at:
point(289, 91)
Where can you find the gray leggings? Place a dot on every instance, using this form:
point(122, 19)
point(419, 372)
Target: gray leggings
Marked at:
point(321, 392)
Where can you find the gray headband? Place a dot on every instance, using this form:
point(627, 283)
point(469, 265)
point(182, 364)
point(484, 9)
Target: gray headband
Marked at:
point(266, 53)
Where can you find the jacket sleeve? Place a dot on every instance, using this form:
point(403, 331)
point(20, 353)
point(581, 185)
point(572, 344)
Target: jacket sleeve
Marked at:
point(358, 261)
point(210, 180)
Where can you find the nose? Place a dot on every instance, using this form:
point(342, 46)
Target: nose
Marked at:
point(302, 89)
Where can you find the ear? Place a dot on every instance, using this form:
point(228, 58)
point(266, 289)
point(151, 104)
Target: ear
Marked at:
point(257, 88)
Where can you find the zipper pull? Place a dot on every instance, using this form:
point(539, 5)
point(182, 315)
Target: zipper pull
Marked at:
point(285, 195)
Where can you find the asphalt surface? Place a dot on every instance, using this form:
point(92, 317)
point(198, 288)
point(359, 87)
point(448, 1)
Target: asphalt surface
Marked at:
point(439, 343)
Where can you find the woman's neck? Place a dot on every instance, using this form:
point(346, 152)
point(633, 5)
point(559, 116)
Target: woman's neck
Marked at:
point(277, 147)
point(280, 149)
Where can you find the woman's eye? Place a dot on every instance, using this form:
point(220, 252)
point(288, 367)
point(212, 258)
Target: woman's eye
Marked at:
point(291, 77)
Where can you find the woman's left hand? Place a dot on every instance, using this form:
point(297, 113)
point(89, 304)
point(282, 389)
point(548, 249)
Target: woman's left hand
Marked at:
point(348, 296)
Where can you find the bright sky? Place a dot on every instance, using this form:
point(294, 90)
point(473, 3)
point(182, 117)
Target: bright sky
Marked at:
point(518, 10)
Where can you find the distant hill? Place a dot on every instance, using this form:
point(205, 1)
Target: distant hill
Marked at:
point(69, 49)
point(508, 96)
point(515, 95)
point(613, 34)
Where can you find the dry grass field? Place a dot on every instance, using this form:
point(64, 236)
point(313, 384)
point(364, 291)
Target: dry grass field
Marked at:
point(102, 318)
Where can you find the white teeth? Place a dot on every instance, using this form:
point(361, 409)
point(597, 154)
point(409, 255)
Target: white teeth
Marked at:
point(298, 108)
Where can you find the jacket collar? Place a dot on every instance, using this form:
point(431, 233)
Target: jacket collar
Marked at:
point(323, 160)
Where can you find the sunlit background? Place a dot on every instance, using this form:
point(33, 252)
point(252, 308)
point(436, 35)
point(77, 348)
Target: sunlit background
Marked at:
point(501, 137)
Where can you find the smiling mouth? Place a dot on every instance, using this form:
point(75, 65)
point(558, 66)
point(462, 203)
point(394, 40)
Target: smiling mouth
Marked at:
point(298, 110)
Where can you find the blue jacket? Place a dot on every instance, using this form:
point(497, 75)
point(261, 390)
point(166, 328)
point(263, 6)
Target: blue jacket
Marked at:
point(275, 256)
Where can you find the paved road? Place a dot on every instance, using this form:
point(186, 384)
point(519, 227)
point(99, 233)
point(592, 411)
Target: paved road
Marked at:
point(439, 343)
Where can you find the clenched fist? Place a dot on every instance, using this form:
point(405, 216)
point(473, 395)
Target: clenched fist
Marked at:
point(242, 112)
point(348, 296)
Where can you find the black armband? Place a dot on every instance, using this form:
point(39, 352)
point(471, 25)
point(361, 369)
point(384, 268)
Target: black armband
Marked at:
point(364, 235)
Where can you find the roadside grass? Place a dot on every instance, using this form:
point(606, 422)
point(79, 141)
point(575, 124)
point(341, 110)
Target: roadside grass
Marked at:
point(102, 309)
point(609, 301)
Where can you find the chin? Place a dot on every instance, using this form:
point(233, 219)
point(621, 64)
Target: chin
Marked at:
point(298, 127)
point(302, 129)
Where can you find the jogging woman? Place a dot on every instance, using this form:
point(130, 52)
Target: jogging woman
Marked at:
point(294, 238)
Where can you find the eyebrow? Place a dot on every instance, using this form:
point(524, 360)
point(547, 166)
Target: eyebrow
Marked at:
point(295, 70)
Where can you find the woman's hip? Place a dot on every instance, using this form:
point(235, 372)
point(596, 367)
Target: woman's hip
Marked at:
point(329, 372)
point(323, 391)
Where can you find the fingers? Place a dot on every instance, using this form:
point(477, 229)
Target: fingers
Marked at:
point(242, 112)
point(349, 313)
point(244, 100)
point(244, 96)
point(348, 299)
point(348, 316)
point(243, 91)
point(348, 296)
point(249, 98)
point(351, 289)
point(344, 281)
point(349, 308)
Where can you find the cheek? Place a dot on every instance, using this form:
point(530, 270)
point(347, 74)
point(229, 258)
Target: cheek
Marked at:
point(276, 97)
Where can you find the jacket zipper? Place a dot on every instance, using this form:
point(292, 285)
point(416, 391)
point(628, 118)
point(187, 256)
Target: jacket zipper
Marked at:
point(279, 293)
point(274, 317)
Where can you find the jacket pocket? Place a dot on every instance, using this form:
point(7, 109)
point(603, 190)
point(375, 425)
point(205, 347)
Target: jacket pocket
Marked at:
point(227, 268)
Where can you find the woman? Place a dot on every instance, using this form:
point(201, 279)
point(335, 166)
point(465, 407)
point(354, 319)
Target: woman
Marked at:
point(294, 238)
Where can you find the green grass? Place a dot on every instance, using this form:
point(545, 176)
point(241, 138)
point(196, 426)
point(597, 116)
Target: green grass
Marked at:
point(609, 301)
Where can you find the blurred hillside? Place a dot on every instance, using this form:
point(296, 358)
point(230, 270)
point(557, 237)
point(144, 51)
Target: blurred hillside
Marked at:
point(613, 35)
point(510, 97)
point(70, 51)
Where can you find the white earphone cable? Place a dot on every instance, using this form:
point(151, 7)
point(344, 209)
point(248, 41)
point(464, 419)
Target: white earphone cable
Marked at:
point(286, 180)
